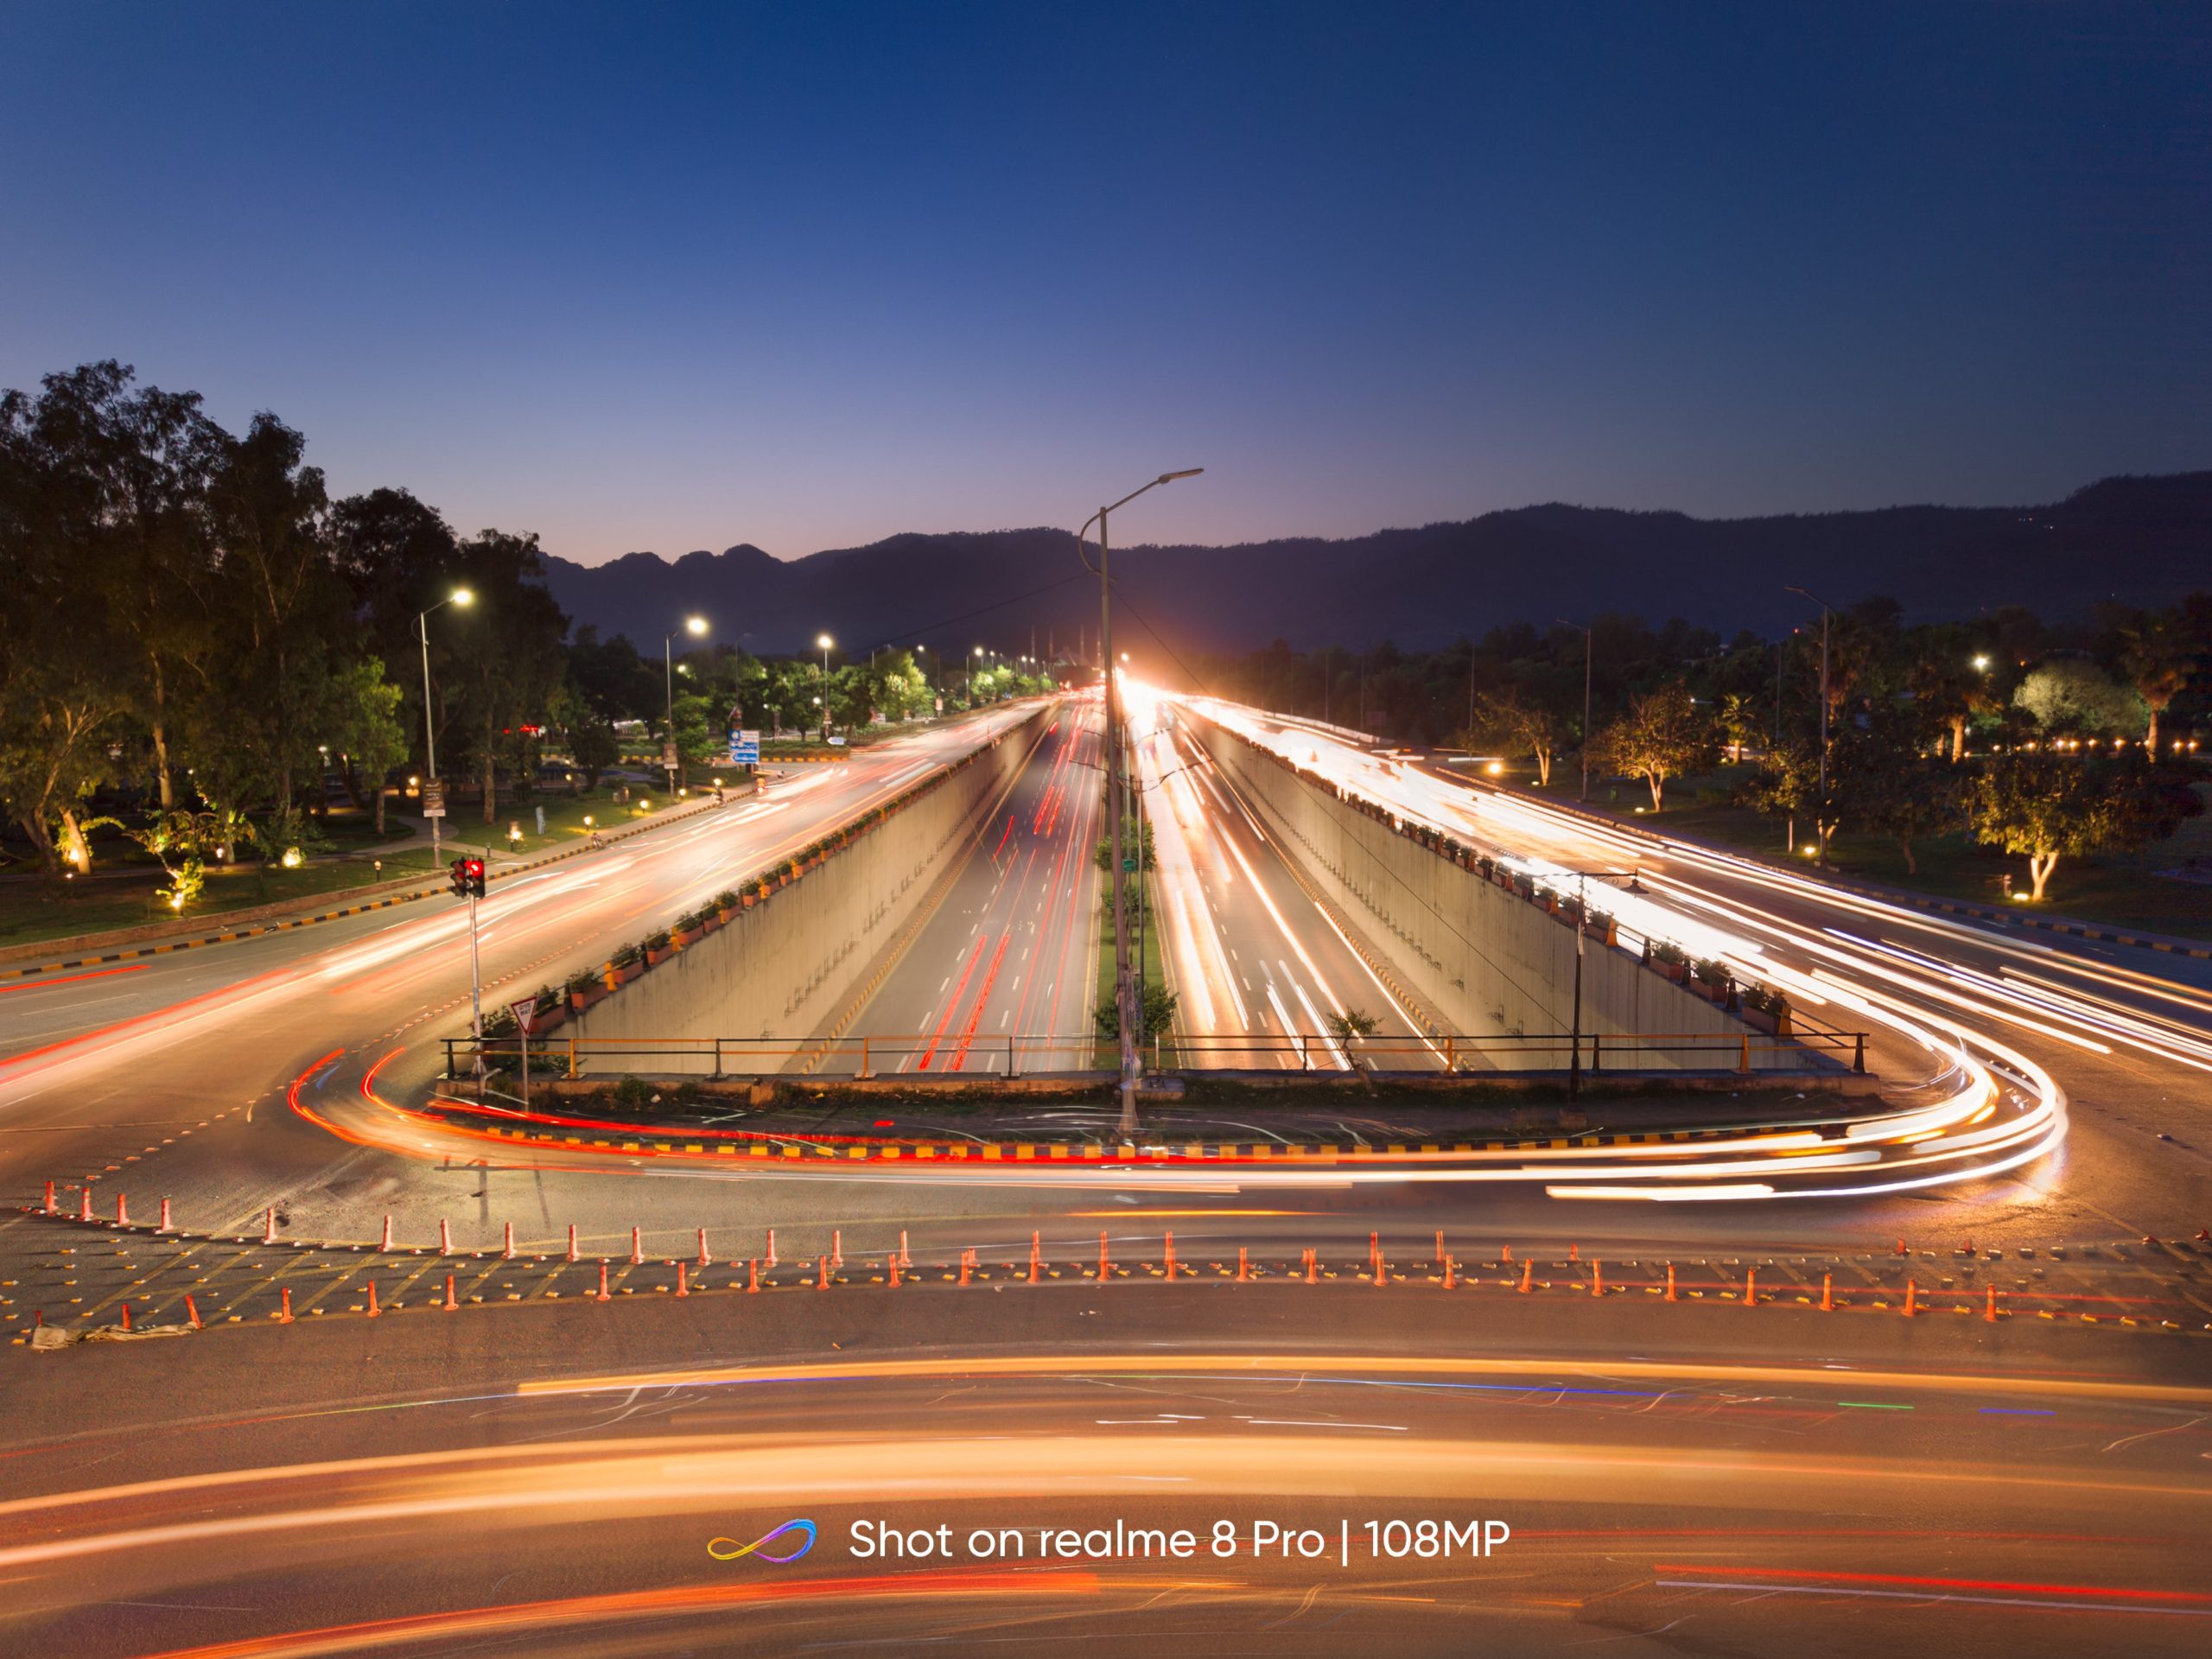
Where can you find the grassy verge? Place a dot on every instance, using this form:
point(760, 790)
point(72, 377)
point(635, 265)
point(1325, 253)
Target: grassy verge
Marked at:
point(2121, 891)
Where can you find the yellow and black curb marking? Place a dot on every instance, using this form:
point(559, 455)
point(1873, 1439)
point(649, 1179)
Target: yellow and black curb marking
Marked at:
point(617, 1137)
point(85, 1276)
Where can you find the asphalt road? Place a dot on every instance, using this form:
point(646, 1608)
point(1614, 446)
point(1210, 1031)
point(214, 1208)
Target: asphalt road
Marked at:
point(981, 1469)
point(1001, 977)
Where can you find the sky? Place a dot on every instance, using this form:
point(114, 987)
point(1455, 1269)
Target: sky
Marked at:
point(805, 276)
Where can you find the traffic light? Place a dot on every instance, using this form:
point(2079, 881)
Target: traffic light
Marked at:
point(473, 868)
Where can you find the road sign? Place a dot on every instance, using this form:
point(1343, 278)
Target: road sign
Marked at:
point(433, 800)
point(1129, 867)
point(744, 748)
point(525, 1012)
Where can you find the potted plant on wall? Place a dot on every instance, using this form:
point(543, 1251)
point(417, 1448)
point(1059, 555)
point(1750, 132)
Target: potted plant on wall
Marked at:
point(1671, 960)
point(658, 948)
point(690, 927)
point(1712, 980)
point(626, 965)
point(585, 987)
point(752, 892)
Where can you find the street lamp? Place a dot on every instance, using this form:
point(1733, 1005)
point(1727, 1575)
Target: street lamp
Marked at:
point(1124, 998)
point(435, 810)
point(822, 642)
point(1588, 647)
point(1821, 805)
point(695, 626)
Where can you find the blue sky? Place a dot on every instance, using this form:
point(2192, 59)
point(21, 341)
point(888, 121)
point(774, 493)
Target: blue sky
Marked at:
point(672, 278)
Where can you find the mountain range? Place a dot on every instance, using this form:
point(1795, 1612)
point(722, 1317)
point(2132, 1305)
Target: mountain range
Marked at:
point(2127, 540)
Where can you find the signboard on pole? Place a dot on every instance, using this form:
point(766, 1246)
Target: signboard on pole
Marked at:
point(433, 800)
point(668, 755)
point(525, 1012)
point(744, 747)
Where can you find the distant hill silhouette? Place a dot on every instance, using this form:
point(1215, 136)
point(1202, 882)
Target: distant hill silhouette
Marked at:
point(2133, 540)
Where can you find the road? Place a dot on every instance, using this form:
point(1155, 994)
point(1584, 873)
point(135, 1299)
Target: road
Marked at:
point(2100, 1054)
point(1009, 1472)
point(1001, 977)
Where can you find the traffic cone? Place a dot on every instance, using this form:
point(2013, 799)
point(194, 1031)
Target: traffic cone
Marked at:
point(1574, 1252)
point(1989, 1313)
point(1528, 1271)
point(572, 1240)
point(191, 1311)
point(122, 1209)
point(452, 1301)
point(772, 1249)
point(1827, 1293)
point(126, 1316)
point(753, 1276)
point(1036, 1258)
point(837, 1247)
point(49, 1197)
point(905, 1261)
point(637, 1247)
point(385, 1243)
point(1670, 1283)
point(1243, 1267)
point(966, 1257)
point(1374, 1252)
point(507, 1250)
point(682, 1284)
point(1597, 1279)
point(1506, 1254)
point(1451, 1277)
point(1911, 1300)
point(705, 1260)
point(1171, 1258)
point(165, 1227)
point(602, 1296)
point(84, 1213)
point(1312, 1266)
point(1105, 1264)
point(284, 1304)
point(1439, 1244)
point(445, 1236)
point(374, 1311)
point(823, 1281)
point(894, 1265)
point(267, 1229)
point(1750, 1286)
point(1901, 1249)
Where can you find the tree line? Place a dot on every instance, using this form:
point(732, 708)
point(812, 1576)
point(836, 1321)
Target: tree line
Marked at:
point(2049, 740)
point(200, 643)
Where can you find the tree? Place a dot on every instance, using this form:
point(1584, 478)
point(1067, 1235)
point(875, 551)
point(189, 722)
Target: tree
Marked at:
point(1891, 788)
point(1737, 719)
point(1512, 720)
point(2157, 655)
point(2070, 694)
point(1949, 673)
point(587, 735)
point(1662, 735)
point(365, 729)
point(1103, 857)
point(2051, 806)
point(513, 661)
point(1788, 786)
point(1349, 1025)
point(1156, 1016)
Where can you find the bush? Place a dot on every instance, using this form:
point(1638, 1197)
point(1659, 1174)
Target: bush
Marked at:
point(1667, 951)
point(633, 1094)
point(656, 940)
point(628, 954)
point(726, 900)
point(583, 979)
point(1711, 973)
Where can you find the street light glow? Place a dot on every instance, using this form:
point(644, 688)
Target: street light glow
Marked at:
point(822, 642)
point(695, 625)
point(461, 596)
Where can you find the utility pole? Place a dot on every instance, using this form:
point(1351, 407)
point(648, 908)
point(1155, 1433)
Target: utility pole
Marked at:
point(463, 598)
point(1128, 1010)
point(694, 626)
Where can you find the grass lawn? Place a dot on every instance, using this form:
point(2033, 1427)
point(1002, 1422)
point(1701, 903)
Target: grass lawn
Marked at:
point(2123, 891)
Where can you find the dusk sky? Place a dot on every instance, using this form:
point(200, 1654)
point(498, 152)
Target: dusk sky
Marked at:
point(660, 277)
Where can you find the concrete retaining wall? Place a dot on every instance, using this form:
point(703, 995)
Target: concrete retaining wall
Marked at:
point(784, 967)
point(1488, 962)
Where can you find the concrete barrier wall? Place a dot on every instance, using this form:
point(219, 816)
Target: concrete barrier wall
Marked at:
point(1488, 962)
point(782, 967)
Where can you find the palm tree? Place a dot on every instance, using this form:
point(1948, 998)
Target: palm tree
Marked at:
point(2157, 656)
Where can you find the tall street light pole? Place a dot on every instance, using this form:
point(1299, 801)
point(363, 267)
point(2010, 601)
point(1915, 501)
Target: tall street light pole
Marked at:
point(694, 626)
point(1588, 647)
point(822, 643)
point(1125, 1002)
point(463, 598)
point(1821, 805)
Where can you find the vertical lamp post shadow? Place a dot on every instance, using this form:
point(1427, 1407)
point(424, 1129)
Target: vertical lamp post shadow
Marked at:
point(1125, 1005)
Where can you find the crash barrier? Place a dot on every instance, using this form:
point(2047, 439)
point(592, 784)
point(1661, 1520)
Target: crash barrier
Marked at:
point(925, 1054)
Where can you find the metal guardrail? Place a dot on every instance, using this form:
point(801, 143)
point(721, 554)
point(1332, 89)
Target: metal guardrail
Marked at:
point(924, 1054)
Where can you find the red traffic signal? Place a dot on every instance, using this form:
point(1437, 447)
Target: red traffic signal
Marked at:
point(467, 877)
point(474, 868)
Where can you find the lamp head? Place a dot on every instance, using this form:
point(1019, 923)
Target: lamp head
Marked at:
point(822, 642)
point(694, 626)
point(462, 597)
point(1188, 472)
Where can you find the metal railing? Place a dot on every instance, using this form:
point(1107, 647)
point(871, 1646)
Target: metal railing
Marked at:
point(926, 1054)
